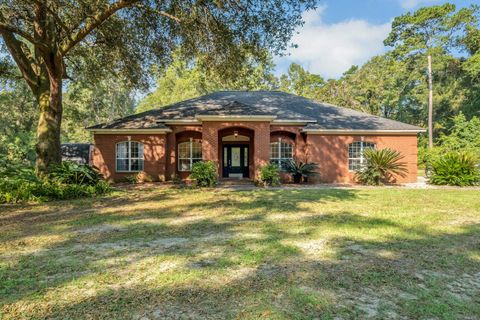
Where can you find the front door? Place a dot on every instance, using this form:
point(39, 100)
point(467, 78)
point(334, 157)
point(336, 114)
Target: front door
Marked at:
point(235, 161)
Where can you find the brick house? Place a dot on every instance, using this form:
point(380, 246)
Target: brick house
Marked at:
point(242, 131)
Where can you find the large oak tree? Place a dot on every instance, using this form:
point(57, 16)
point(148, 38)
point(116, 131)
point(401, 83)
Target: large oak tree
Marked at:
point(50, 40)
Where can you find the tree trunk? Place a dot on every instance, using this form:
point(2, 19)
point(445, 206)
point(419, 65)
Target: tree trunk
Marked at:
point(49, 99)
point(430, 103)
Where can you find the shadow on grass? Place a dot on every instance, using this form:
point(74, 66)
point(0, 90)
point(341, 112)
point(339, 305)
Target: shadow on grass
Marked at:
point(227, 274)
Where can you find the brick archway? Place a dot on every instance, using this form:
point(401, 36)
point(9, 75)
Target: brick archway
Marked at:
point(260, 142)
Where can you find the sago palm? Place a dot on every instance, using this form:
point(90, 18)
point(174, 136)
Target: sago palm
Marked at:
point(381, 166)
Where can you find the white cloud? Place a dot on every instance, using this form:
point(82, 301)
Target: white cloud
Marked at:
point(331, 49)
point(410, 4)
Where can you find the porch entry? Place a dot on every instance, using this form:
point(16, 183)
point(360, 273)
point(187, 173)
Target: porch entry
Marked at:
point(235, 161)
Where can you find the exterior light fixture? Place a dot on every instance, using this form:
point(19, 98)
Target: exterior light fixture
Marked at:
point(235, 133)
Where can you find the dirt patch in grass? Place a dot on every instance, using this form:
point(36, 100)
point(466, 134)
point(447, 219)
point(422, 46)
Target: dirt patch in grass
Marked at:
point(157, 253)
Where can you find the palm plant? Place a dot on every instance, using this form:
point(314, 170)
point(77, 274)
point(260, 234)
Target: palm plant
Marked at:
point(300, 170)
point(382, 165)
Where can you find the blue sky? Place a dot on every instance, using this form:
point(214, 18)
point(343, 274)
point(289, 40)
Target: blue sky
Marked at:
point(342, 33)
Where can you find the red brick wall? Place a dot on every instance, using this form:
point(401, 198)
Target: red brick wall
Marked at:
point(103, 155)
point(331, 153)
point(178, 132)
point(261, 141)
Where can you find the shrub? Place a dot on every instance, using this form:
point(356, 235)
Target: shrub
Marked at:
point(19, 183)
point(381, 165)
point(140, 177)
point(269, 175)
point(300, 170)
point(204, 173)
point(70, 172)
point(455, 168)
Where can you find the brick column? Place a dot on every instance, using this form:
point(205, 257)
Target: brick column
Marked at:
point(210, 142)
point(261, 146)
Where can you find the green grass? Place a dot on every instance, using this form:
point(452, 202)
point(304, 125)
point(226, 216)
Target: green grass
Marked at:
point(264, 254)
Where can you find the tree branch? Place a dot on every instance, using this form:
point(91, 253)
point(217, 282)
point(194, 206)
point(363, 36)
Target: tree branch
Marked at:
point(9, 28)
point(95, 21)
point(162, 13)
point(21, 59)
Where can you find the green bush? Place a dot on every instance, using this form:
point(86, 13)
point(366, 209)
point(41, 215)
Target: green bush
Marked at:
point(20, 184)
point(204, 173)
point(456, 169)
point(381, 166)
point(70, 172)
point(269, 175)
point(300, 170)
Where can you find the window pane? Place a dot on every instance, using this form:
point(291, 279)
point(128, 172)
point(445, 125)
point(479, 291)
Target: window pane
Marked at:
point(196, 150)
point(134, 149)
point(235, 157)
point(122, 164)
point(122, 150)
point(287, 151)
point(245, 157)
point(136, 164)
point(354, 150)
point(274, 150)
point(184, 150)
point(183, 165)
point(354, 164)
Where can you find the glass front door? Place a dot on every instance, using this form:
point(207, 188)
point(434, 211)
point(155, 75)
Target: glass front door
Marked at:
point(235, 161)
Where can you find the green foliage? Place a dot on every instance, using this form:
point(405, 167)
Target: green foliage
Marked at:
point(19, 183)
point(204, 173)
point(464, 135)
point(90, 101)
point(301, 82)
point(456, 169)
point(300, 170)
point(70, 172)
point(381, 166)
point(184, 80)
point(269, 175)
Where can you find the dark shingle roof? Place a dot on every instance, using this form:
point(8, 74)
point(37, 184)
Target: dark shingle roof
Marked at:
point(282, 105)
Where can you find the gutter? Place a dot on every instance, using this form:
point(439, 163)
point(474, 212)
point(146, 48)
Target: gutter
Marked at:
point(356, 132)
point(130, 131)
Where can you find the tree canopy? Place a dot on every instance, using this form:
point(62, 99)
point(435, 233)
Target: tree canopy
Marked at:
point(50, 40)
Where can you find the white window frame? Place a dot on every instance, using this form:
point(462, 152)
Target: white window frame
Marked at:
point(278, 160)
point(363, 146)
point(190, 156)
point(129, 156)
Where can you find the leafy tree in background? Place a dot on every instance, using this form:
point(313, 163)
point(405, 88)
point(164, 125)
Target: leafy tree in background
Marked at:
point(187, 79)
point(87, 103)
point(464, 136)
point(301, 82)
point(18, 118)
point(427, 32)
point(46, 38)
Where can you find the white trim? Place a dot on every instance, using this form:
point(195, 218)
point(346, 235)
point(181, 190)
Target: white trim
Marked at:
point(186, 121)
point(356, 132)
point(362, 149)
point(234, 118)
point(190, 156)
point(279, 159)
point(292, 122)
point(129, 131)
point(129, 156)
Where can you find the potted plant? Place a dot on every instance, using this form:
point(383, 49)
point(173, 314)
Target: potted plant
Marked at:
point(301, 170)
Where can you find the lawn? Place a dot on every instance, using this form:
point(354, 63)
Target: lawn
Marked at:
point(157, 253)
